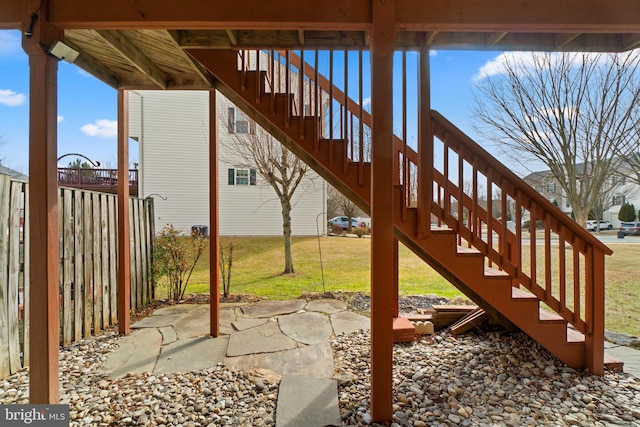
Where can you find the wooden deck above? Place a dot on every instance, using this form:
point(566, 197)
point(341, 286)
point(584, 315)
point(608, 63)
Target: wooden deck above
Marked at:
point(102, 180)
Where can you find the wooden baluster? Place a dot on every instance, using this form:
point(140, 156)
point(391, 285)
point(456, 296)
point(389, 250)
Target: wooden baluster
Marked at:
point(447, 200)
point(243, 80)
point(406, 181)
point(360, 124)
point(318, 113)
point(533, 223)
point(562, 266)
point(272, 79)
point(301, 94)
point(503, 207)
point(460, 193)
point(258, 77)
point(476, 230)
point(594, 310)
point(576, 280)
point(547, 257)
point(287, 82)
point(518, 242)
point(345, 132)
point(489, 214)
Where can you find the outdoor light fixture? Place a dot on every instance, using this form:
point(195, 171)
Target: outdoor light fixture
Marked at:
point(62, 51)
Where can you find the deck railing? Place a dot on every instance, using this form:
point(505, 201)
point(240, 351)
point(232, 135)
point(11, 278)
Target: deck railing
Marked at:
point(450, 179)
point(105, 180)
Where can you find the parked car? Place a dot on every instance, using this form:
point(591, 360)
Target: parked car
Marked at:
point(592, 225)
point(343, 221)
point(630, 228)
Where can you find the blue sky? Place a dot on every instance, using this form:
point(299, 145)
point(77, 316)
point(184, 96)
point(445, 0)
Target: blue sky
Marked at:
point(87, 108)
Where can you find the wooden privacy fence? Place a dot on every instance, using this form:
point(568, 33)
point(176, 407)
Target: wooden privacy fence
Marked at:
point(88, 258)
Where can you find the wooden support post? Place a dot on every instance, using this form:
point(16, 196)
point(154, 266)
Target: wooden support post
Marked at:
point(594, 311)
point(44, 313)
point(425, 141)
point(124, 250)
point(214, 239)
point(382, 238)
point(396, 290)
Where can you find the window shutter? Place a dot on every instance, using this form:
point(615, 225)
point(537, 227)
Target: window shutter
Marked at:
point(252, 177)
point(231, 120)
point(232, 176)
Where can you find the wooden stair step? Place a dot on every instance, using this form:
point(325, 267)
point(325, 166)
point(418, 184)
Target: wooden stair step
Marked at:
point(492, 272)
point(451, 308)
point(463, 250)
point(550, 317)
point(574, 336)
point(519, 293)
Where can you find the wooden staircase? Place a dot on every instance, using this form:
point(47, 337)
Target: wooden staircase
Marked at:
point(554, 293)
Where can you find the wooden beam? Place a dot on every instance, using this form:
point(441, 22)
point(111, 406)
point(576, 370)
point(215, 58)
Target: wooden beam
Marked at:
point(124, 250)
point(301, 37)
point(44, 308)
point(382, 202)
point(564, 39)
point(199, 69)
point(233, 39)
point(134, 56)
point(630, 41)
point(214, 236)
point(12, 14)
point(441, 15)
point(495, 38)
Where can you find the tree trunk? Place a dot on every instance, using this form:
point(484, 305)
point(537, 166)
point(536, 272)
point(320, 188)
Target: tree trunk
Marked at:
point(286, 233)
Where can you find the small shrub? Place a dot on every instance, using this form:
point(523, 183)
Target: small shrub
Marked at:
point(226, 262)
point(336, 229)
point(359, 231)
point(176, 257)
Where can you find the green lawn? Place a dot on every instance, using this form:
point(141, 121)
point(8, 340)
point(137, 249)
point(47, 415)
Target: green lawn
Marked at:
point(258, 262)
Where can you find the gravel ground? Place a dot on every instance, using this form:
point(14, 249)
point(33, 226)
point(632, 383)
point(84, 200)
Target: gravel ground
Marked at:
point(490, 379)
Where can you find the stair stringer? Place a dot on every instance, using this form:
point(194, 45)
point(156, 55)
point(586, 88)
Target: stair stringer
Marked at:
point(493, 294)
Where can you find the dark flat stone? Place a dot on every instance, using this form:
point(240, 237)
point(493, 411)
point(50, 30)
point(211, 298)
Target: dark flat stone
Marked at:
point(273, 308)
point(309, 402)
point(261, 339)
point(307, 328)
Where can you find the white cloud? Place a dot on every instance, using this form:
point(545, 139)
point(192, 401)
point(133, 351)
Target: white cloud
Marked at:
point(433, 52)
point(366, 102)
point(11, 98)
point(103, 128)
point(60, 119)
point(10, 42)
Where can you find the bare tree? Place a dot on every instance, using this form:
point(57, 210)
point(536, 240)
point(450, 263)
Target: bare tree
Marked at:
point(279, 167)
point(575, 113)
point(339, 204)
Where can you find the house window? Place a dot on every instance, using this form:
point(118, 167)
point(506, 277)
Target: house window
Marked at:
point(618, 180)
point(618, 199)
point(551, 187)
point(238, 122)
point(242, 176)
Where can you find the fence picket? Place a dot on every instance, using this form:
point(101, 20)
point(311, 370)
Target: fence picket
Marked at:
point(5, 367)
point(13, 282)
point(67, 272)
point(88, 262)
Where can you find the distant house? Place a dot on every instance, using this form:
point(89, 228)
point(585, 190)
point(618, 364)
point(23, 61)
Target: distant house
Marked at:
point(172, 131)
point(15, 175)
point(620, 190)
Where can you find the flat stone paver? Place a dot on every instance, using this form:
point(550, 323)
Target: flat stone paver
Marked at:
point(191, 354)
point(246, 323)
point(273, 308)
point(157, 321)
point(173, 309)
point(347, 322)
point(168, 335)
point(326, 305)
point(308, 402)
point(307, 327)
point(630, 356)
point(261, 339)
point(138, 353)
point(313, 361)
point(194, 323)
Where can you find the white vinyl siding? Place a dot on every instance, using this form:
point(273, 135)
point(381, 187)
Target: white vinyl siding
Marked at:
point(172, 128)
